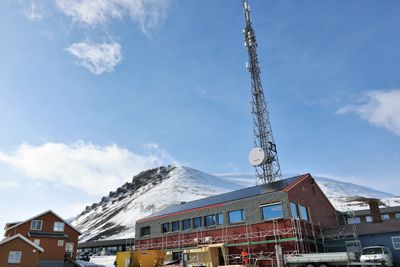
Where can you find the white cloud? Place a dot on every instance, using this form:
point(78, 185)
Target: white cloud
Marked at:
point(7, 184)
point(93, 169)
point(97, 58)
point(148, 14)
point(380, 108)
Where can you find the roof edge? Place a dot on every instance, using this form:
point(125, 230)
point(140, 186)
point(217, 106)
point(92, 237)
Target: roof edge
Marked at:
point(24, 239)
point(38, 215)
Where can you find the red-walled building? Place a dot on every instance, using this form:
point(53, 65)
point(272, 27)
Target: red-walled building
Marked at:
point(288, 212)
point(57, 238)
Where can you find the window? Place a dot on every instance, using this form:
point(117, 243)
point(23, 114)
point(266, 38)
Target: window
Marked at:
point(220, 218)
point(14, 257)
point(236, 216)
point(175, 226)
point(69, 247)
point(353, 220)
point(304, 213)
point(385, 217)
point(368, 218)
point(210, 220)
point(396, 242)
point(272, 211)
point(197, 222)
point(186, 224)
point(60, 243)
point(165, 227)
point(293, 210)
point(36, 225)
point(397, 215)
point(58, 227)
point(144, 231)
point(37, 242)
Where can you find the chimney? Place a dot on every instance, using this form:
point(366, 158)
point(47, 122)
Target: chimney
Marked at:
point(375, 212)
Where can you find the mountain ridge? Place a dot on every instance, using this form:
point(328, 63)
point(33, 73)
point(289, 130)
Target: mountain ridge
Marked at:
point(114, 216)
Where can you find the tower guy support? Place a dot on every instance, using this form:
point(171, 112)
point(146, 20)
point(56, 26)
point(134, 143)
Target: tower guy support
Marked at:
point(267, 165)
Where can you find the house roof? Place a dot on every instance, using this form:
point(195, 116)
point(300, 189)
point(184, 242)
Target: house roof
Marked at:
point(48, 211)
point(248, 192)
point(24, 239)
point(389, 226)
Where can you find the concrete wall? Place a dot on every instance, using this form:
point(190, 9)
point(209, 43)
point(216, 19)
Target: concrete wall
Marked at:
point(250, 205)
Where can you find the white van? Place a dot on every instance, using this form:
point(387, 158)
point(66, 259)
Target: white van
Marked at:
point(378, 254)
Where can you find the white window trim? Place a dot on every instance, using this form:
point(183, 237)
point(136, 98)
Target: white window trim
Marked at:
point(41, 225)
point(60, 242)
point(13, 260)
point(398, 242)
point(54, 227)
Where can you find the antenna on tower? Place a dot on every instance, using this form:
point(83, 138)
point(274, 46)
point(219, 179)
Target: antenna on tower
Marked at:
point(263, 156)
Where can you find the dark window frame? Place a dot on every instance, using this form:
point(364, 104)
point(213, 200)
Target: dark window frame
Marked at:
point(214, 220)
point(186, 226)
point(264, 215)
point(142, 231)
point(175, 226)
point(163, 230)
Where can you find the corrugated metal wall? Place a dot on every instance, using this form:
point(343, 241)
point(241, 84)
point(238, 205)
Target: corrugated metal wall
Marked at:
point(384, 240)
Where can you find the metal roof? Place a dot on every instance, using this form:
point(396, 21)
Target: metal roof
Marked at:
point(230, 196)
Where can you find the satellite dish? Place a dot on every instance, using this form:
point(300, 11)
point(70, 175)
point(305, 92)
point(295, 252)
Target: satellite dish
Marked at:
point(257, 156)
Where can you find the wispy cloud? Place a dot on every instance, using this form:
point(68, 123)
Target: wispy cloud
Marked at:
point(148, 14)
point(97, 58)
point(380, 108)
point(85, 166)
point(7, 184)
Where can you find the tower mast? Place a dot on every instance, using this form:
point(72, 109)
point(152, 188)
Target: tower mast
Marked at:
point(264, 156)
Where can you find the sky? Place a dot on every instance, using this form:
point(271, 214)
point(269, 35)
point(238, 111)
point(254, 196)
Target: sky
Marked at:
point(94, 91)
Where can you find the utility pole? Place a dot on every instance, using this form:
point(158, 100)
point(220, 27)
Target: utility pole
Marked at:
point(264, 155)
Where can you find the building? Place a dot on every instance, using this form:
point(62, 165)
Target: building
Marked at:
point(364, 228)
point(365, 215)
point(106, 247)
point(19, 251)
point(288, 212)
point(57, 238)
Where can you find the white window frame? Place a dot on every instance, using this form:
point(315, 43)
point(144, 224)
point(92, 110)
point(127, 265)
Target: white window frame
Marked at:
point(396, 244)
point(69, 247)
point(36, 222)
point(385, 217)
point(57, 229)
point(60, 243)
point(14, 257)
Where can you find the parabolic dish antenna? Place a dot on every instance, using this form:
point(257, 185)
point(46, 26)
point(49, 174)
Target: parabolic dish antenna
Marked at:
point(256, 156)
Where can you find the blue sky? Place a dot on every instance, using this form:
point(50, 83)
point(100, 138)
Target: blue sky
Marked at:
point(92, 92)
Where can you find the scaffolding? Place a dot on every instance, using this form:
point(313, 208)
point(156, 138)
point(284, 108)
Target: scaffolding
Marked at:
point(297, 237)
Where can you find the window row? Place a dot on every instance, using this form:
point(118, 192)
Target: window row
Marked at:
point(37, 225)
point(368, 218)
point(268, 212)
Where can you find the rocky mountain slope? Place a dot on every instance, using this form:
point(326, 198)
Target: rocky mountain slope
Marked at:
point(114, 216)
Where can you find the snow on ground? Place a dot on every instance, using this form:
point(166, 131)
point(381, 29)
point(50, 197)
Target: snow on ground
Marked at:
point(103, 261)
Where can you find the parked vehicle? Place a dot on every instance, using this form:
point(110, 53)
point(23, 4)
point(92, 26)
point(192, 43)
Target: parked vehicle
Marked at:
point(377, 254)
point(320, 259)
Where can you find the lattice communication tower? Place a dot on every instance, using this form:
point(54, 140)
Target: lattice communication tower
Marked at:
point(264, 156)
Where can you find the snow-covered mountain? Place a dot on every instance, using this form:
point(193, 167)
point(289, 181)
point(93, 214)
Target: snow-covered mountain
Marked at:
point(115, 215)
point(155, 189)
